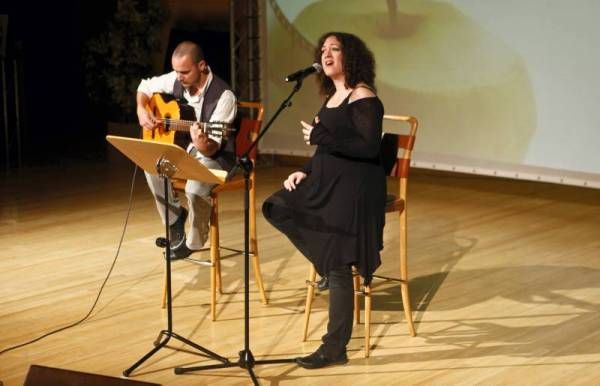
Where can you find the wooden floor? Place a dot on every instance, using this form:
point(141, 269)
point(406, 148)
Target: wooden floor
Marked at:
point(505, 281)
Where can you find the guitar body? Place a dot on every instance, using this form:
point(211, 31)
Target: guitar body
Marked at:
point(166, 108)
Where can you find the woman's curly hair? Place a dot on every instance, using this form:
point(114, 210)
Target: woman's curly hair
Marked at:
point(358, 62)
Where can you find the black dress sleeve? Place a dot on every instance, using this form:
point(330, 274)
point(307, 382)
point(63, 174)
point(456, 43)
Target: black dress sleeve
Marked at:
point(307, 168)
point(366, 116)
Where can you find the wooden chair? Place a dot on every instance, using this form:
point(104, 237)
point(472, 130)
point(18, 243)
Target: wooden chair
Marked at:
point(247, 133)
point(401, 145)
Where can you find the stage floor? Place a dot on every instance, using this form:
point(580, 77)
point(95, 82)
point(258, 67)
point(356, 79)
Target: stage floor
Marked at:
point(504, 279)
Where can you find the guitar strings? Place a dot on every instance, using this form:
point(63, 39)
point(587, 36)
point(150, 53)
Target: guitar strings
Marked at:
point(181, 124)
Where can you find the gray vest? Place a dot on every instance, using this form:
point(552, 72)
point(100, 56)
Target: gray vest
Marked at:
point(225, 156)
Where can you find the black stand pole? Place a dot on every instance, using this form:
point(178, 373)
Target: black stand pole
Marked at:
point(166, 170)
point(246, 359)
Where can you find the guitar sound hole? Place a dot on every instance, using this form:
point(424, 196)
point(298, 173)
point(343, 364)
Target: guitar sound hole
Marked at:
point(167, 122)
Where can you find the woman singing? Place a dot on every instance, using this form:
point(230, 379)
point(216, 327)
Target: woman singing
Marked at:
point(333, 209)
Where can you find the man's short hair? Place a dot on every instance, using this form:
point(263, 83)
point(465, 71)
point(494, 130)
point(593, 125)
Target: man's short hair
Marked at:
point(191, 49)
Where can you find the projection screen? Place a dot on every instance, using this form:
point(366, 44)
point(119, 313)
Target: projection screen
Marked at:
point(504, 88)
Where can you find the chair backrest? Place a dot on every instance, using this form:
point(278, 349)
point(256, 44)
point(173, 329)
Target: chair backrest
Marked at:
point(249, 128)
point(396, 149)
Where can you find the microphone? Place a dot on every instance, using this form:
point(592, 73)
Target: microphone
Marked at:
point(301, 74)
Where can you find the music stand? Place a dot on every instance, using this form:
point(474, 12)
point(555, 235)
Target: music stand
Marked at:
point(168, 161)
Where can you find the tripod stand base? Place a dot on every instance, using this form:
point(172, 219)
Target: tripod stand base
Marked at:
point(245, 361)
point(161, 341)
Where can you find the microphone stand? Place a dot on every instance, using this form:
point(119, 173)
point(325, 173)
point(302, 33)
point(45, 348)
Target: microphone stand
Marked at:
point(246, 359)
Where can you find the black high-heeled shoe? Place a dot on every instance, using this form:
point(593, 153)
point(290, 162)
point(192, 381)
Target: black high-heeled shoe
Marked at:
point(323, 284)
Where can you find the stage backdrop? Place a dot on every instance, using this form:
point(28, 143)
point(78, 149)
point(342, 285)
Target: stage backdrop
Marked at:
point(507, 88)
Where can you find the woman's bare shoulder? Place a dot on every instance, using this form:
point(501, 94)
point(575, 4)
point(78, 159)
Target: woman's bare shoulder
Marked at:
point(361, 91)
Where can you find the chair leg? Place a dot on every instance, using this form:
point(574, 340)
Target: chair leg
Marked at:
point(407, 308)
point(218, 269)
point(356, 280)
point(254, 251)
point(404, 274)
point(215, 240)
point(258, 274)
point(310, 293)
point(163, 303)
point(367, 320)
point(215, 267)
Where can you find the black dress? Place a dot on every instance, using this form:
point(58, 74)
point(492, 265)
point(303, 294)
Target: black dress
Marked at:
point(336, 215)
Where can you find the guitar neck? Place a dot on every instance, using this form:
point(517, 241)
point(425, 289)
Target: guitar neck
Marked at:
point(184, 125)
point(179, 124)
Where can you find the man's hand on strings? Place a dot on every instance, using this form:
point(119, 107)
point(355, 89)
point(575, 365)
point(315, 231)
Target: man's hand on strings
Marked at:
point(146, 118)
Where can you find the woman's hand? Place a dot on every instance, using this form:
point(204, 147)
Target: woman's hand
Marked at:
point(293, 180)
point(306, 130)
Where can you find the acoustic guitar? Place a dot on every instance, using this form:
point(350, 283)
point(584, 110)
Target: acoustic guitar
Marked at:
point(177, 117)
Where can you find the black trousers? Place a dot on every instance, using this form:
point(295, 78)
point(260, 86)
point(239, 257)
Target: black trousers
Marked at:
point(341, 287)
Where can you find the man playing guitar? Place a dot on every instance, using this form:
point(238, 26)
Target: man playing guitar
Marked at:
point(192, 84)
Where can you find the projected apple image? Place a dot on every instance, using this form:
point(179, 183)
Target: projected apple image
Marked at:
point(470, 90)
